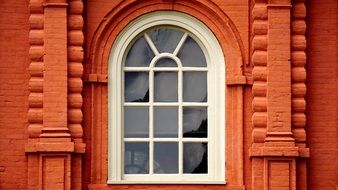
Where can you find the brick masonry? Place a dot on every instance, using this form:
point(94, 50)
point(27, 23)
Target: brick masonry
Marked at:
point(24, 112)
point(14, 77)
point(322, 70)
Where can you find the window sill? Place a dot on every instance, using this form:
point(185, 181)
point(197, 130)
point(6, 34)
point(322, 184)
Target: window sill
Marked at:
point(200, 182)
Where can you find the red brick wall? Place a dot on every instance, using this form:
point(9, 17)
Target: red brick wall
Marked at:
point(14, 77)
point(322, 99)
point(322, 95)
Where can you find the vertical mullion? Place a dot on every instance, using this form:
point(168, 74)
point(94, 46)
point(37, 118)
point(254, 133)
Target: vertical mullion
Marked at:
point(121, 159)
point(180, 121)
point(151, 121)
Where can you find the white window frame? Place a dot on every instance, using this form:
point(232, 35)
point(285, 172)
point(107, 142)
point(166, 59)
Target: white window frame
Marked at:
point(216, 101)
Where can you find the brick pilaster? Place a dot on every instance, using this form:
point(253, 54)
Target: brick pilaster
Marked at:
point(55, 131)
point(55, 72)
point(277, 100)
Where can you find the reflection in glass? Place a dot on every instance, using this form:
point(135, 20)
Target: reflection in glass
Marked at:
point(195, 122)
point(165, 87)
point(139, 55)
point(136, 122)
point(195, 157)
point(195, 86)
point(166, 157)
point(191, 54)
point(165, 39)
point(136, 158)
point(136, 87)
point(165, 121)
point(166, 62)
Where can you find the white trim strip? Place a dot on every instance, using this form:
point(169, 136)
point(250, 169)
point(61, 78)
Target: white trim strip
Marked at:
point(166, 139)
point(184, 37)
point(151, 44)
point(167, 104)
point(140, 69)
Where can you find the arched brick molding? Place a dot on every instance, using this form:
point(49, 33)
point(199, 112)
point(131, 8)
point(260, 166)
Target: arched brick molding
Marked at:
point(100, 47)
point(206, 11)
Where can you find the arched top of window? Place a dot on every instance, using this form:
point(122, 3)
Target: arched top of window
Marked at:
point(166, 102)
point(165, 46)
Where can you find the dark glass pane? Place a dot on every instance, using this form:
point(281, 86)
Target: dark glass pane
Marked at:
point(136, 87)
point(165, 121)
point(165, 39)
point(191, 54)
point(195, 122)
point(140, 54)
point(195, 158)
point(136, 158)
point(166, 62)
point(165, 157)
point(165, 87)
point(195, 87)
point(136, 122)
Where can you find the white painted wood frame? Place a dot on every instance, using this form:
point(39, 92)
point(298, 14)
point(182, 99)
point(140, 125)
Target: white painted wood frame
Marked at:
point(215, 104)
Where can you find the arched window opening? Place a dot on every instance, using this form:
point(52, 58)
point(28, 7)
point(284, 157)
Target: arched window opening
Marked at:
point(166, 102)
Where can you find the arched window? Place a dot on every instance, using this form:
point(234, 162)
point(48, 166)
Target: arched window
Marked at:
point(166, 102)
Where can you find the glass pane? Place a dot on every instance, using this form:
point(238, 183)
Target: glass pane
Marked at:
point(195, 158)
point(165, 157)
point(166, 62)
point(136, 158)
point(165, 87)
point(165, 39)
point(191, 54)
point(195, 122)
point(136, 122)
point(195, 87)
point(166, 121)
point(136, 87)
point(139, 55)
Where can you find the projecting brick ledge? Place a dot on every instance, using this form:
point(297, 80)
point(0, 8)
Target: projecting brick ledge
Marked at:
point(50, 147)
point(279, 151)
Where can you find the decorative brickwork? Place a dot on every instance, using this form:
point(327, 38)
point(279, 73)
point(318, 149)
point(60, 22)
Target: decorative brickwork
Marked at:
point(259, 60)
point(298, 74)
point(259, 72)
point(55, 100)
point(75, 71)
point(35, 100)
point(36, 67)
point(298, 86)
point(281, 91)
point(278, 88)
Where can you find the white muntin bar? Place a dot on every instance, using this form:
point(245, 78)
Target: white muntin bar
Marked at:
point(151, 118)
point(184, 37)
point(145, 69)
point(151, 44)
point(166, 139)
point(167, 104)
